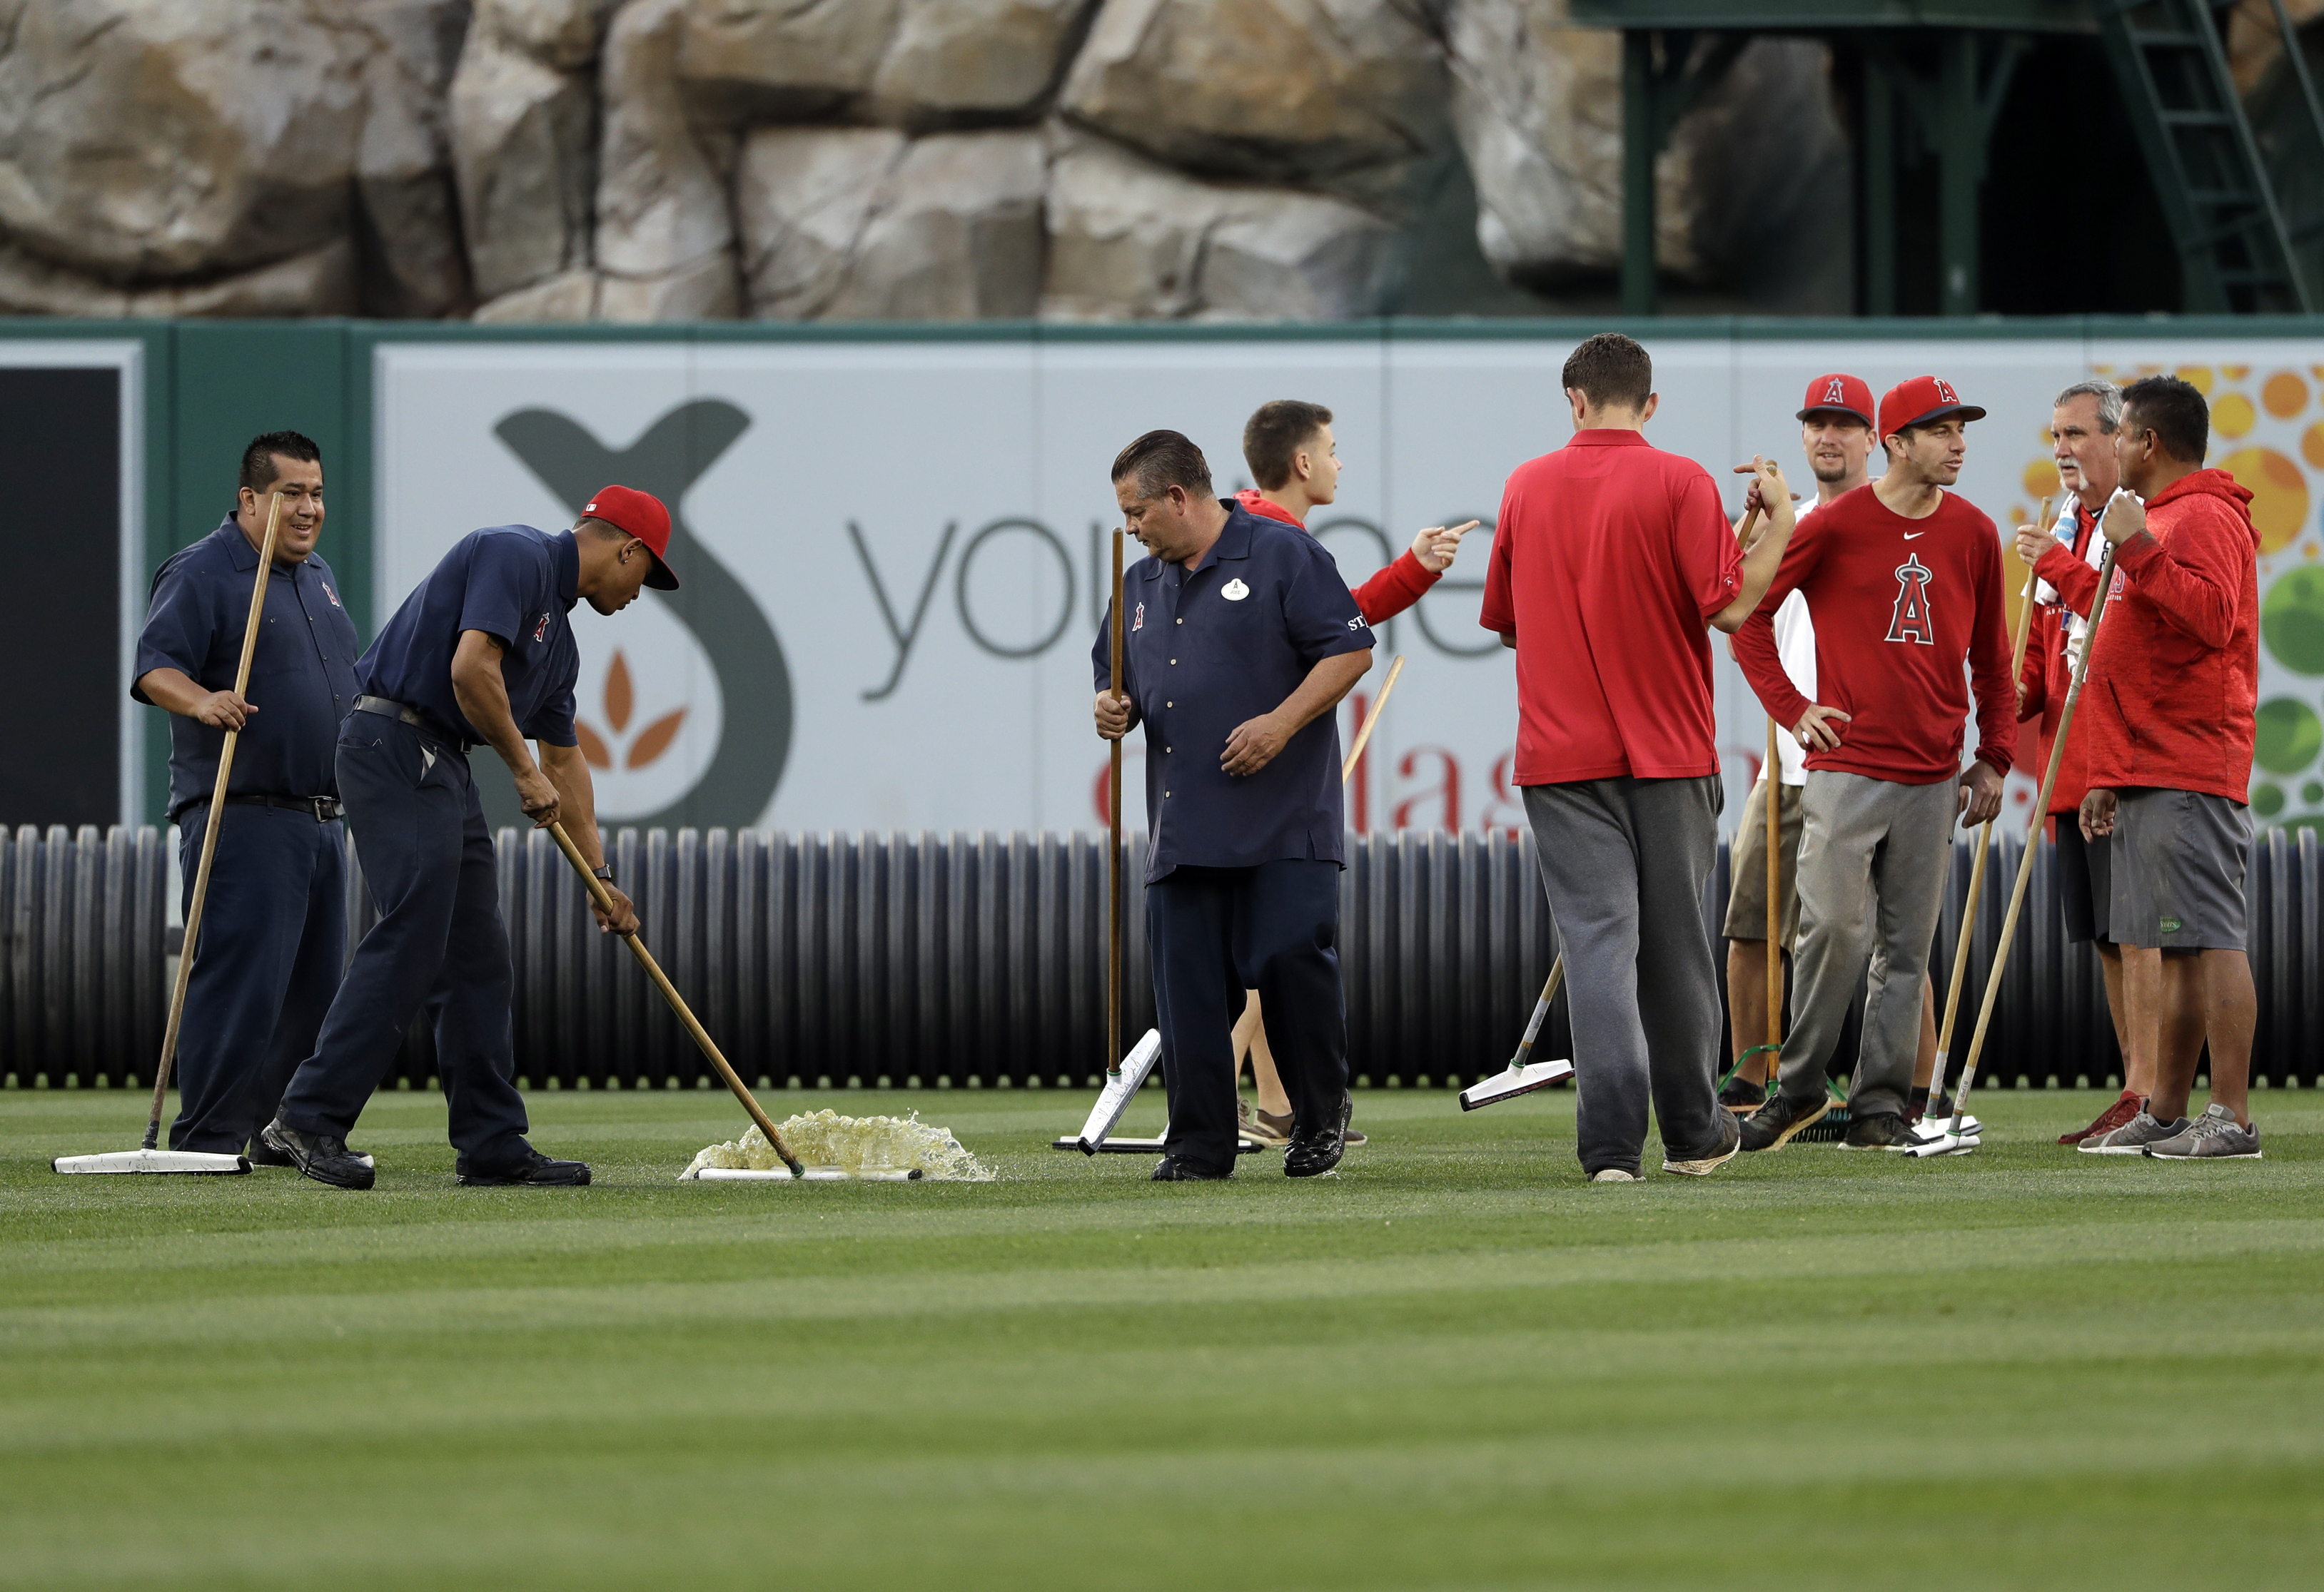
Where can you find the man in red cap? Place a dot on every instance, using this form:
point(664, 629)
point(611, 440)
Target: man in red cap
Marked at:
point(2171, 696)
point(1836, 434)
point(1611, 559)
point(481, 653)
point(1904, 581)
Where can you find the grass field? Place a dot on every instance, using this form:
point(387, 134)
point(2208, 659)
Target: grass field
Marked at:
point(1456, 1366)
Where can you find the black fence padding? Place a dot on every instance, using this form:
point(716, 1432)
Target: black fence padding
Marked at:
point(870, 957)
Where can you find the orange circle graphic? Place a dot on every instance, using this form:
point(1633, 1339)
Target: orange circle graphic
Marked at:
point(2279, 506)
point(2284, 395)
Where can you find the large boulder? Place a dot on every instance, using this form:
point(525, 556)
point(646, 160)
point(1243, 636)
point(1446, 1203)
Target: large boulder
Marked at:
point(320, 280)
point(758, 60)
point(174, 139)
point(523, 133)
point(664, 239)
point(412, 262)
point(1130, 239)
point(957, 59)
point(859, 224)
point(1347, 95)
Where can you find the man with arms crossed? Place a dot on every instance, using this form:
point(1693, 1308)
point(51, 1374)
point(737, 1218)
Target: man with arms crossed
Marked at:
point(275, 921)
point(2171, 696)
point(1239, 639)
point(1904, 580)
point(1610, 559)
point(2082, 426)
point(482, 653)
point(1293, 457)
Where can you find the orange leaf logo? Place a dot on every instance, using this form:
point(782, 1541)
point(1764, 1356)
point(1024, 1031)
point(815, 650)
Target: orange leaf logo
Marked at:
point(621, 703)
point(655, 738)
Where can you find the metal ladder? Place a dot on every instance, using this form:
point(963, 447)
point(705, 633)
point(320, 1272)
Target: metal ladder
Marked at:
point(2235, 251)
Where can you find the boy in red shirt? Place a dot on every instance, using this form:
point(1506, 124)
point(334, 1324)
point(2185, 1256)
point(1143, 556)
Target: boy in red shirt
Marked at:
point(1609, 557)
point(1904, 581)
point(1292, 454)
point(2170, 703)
point(2082, 426)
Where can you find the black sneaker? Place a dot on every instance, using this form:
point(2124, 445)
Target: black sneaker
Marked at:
point(1741, 1096)
point(1779, 1121)
point(319, 1155)
point(1881, 1130)
point(262, 1153)
point(532, 1167)
point(1314, 1154)
point(1186, 1169)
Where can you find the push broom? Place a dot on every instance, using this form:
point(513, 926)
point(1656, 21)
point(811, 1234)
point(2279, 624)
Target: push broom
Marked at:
point(1956, 1138)
point(1969, 1127)
point(199, 1163)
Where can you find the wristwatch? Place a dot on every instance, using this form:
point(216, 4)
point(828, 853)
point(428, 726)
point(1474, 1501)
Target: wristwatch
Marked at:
point(603, 870)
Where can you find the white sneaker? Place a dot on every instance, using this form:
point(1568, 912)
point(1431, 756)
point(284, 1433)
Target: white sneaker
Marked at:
point(1613, 1174)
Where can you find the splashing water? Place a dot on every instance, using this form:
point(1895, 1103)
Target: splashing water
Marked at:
point(855, 1145)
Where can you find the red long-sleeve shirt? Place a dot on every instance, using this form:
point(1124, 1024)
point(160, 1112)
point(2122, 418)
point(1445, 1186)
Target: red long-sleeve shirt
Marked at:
point(2048, 672)
point(1897, 604)
point(2175, 681)
point(1403, 583)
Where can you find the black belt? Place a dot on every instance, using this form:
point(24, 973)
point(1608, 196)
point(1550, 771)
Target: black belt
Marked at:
point(427, 723)
point(322, 809)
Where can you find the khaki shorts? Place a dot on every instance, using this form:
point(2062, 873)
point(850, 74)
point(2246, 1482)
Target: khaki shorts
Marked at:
point(1747, 901)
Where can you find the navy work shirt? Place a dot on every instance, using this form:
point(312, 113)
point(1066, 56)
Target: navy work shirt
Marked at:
point(514, 584)
point(303, 672)
point(1209, 650)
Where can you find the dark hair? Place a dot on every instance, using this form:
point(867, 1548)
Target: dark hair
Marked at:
point(2174, 410)
point(1610, 371)
point(258, 471)
point(1274, 435)
point(1160, 460)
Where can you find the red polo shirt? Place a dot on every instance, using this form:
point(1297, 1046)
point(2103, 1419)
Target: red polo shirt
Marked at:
point(1403, 583)
point(1609, 557)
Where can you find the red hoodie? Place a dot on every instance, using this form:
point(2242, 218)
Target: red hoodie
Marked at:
point(2174, 683)
point(2047, 674)
point(1402, 584)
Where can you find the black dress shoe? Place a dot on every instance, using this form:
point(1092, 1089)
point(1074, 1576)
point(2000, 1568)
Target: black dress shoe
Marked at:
point(532, 1167)
point(1185, 1169)
point(262, 1153)
point(1314, 1154)
point(1881, 1130)
point(1775, 1124)
point(319, 1155)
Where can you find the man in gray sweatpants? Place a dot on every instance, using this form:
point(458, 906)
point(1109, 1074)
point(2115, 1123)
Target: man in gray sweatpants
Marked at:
point(1902, 580)
point(1608, 559)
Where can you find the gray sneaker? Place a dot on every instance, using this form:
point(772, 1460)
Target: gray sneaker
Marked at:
point(2134, 1135)
point(2216, 1135)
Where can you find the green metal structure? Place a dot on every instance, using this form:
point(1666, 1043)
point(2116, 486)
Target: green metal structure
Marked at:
point(1937, 73)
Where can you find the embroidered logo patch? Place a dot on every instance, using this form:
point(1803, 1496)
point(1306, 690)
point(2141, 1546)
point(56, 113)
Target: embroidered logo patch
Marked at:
point(1138, 623)
point(1234, 590)
point(333, 595)
point(541, 631)
point(2172, 925)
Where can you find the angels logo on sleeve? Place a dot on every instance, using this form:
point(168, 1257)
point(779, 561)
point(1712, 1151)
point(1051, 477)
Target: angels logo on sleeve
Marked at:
point(541, 631)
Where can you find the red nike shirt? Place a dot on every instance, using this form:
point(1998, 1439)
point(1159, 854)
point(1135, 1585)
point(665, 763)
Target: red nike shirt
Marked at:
point(1897, 603)
point(1608, 559)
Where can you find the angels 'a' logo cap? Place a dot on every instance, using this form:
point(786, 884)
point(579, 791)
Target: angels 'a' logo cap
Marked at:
point(1920, 400)
point(641, 514)
point(1839, 394)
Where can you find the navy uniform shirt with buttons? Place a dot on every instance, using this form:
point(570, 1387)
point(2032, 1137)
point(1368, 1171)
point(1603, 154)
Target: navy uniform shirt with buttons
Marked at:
point(302, 674)
point(274, 923)
point(1212, 647)
point(514, 584)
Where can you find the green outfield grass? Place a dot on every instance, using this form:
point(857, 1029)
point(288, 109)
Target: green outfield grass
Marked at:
point(1455, 1365)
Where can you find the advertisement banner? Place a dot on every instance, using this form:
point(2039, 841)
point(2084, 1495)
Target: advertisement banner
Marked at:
point(895, 549)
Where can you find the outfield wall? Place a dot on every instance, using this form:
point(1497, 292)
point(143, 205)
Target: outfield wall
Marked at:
point(894, 537)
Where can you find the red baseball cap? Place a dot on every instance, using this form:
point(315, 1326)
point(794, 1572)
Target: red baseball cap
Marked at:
point(641, 514)
point(1920, 400)
point(1839, 394)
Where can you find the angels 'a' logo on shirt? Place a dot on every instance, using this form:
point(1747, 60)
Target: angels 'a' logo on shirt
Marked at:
point(334, 596)
point(541, 631)
point(1138, 623)
point(1911, 622)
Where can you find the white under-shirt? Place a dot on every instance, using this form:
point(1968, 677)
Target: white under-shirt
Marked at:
point(1795, 646)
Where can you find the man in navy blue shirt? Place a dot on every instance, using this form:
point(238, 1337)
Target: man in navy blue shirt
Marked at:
point(481, 653)
point(1241, 638)
point(275, 924)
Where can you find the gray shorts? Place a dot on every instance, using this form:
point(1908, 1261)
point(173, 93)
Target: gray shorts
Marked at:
point(1747, 895)
point(2178, 864)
